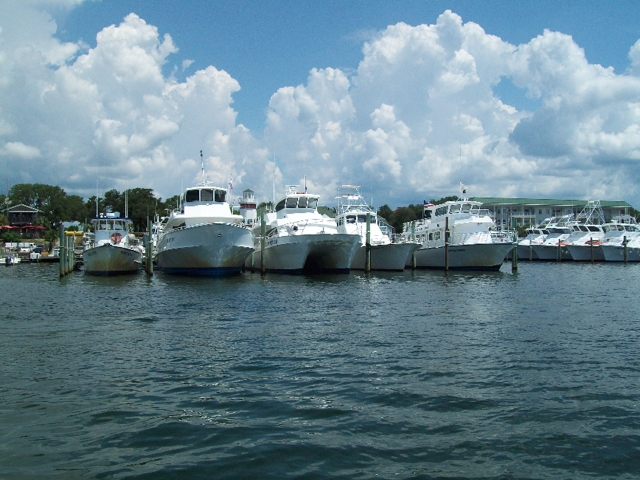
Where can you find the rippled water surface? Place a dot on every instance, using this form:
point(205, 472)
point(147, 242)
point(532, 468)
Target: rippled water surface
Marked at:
point(403, 375)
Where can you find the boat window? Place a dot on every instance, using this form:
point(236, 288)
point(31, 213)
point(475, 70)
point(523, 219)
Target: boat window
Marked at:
point(292, 202)
point(362, 219)
point(313, 203)
point(351, 219)
point(582, 228)
point(192, 196)
point(454, 209)
point(466, 208)
point(206, 195)
point(221, 196)
point(302, 202)
point(430, 236)
point(437, 235)
point(441, 211)
point(592, 228)
point(280, 205)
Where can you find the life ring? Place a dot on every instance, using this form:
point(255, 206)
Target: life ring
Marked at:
point(116, 237)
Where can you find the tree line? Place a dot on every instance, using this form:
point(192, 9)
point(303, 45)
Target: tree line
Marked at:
point(57, 206)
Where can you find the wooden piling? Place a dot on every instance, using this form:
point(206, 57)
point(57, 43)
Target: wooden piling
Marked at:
point(446, 245)
point(263, 231)
point(367, 263)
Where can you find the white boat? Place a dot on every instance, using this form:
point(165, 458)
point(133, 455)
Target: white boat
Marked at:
point(114, 249)
point(553, 246)
point(298, 239)
point(621, 229)
point(202, 236)
point(473, 243)
point(9, 258)
point(583, 243)
point(535, 236)
point(384, 253)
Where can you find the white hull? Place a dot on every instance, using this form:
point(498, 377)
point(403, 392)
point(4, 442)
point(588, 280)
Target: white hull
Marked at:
point(479, 256)
point(550, 252)
point(392, 256)
point(526, 252)
point(586, 253)
point(314, 252)
point(615, 253)
point(206, 249)
point(108, 259)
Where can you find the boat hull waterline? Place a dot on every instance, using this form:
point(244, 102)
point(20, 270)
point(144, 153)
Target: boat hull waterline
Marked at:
point(108, 259)
point(389, 257)
point(210, 249)
point(479, 256)
point(314, 252)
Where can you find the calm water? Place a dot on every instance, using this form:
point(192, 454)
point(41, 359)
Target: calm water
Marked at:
point(405, 375)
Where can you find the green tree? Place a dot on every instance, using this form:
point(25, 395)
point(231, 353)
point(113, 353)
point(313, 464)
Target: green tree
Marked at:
point(51, 236)
point(10, 237)
point(50, 200)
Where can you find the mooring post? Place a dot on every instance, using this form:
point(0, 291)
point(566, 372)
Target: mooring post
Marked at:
point(263, 231)
point(446, 245)
point(413, 239)
point(624, 243)
point(148, 264)
point(367, 262)
point(514, 251)
point(62, 250)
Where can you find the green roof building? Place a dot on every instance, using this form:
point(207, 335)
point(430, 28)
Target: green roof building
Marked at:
point(508, 212)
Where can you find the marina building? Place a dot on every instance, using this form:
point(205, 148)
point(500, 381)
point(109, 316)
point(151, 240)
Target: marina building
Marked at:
point(510, 212)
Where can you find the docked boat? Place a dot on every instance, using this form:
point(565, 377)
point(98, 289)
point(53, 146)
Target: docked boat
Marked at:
point(473, 243)
point(384, 253)
point(535, 236)
point(553, 246)
point(202, 236)
point(114, 250)
point(583, 243)
point(620, 232)
point(298, 239)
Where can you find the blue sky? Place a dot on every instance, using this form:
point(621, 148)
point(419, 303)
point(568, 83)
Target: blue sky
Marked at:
point(407, 98)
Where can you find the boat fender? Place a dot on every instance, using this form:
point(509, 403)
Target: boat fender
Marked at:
point(116, 237)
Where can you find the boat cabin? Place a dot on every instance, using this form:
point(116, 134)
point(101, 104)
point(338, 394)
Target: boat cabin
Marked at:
point(204, 194)
point(352, 218)
point(298, 202)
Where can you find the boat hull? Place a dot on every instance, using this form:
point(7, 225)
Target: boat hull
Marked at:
point(615, 253)
point(586, 253)
point(479, 256)
point(210, 249)
point(526, 252)
point(108, 259)
point(312, 253)
point(389, 257)
point(550, 252)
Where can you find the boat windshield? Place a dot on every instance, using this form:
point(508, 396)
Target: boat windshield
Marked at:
point(205, 195)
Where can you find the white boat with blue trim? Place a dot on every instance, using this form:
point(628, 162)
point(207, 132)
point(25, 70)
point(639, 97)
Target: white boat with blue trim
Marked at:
point(202, 236)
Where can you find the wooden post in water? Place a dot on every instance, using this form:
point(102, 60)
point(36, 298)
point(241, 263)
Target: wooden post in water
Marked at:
point(559, 251)
point(367, 261)
point(446, 245)
point(61, 265)
point(514, 252)
point(263, 230)
point(148, 264)
point(624, 243)
point(413, 238)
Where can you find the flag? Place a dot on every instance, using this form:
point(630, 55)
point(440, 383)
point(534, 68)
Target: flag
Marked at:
point(230, 184)
point(463, 188)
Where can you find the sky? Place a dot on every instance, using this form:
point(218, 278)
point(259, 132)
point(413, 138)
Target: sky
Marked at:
point(408, 99)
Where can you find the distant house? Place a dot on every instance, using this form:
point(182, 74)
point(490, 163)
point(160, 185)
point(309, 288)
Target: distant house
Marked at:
point(22, 220)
